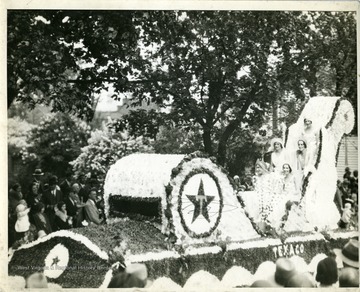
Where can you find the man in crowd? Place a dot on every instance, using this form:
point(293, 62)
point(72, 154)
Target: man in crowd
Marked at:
point(91, 211)
point(74, 207)
point(37, 178)
point(51, 198)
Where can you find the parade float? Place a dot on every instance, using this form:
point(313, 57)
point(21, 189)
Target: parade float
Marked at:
point(181, 216)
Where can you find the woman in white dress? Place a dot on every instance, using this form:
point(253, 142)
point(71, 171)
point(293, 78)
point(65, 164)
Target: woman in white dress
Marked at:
point(268, 187)
point(278, 155)
point(300, 158)
point(310, 135)
point(290, 187)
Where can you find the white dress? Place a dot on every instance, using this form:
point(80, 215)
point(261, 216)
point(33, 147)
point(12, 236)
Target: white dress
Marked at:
point(277, 160)
point(299, 167)
point(268, 189)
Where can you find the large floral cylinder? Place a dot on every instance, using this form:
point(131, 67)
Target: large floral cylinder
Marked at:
point(192, 195)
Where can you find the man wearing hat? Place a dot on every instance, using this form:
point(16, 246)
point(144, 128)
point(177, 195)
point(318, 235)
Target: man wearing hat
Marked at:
point(51, 198)
point(37, 175)
point(349, 254)
point(276, 275)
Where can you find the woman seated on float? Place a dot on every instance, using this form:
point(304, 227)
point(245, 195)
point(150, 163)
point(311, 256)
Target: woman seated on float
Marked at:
point(290, 190)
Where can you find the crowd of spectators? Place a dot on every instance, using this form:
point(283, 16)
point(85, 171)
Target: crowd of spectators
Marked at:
point(339, 269)
point(346, 199)
point(47, 206)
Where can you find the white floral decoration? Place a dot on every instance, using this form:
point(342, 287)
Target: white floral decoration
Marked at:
point(233, 225)
point(139, 175)
point(56, 261)
point(66, 233)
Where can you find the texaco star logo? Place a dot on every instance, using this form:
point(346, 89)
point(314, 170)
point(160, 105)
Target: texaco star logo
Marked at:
point(200, 204)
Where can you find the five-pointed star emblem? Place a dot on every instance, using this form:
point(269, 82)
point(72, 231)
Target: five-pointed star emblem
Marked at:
point(201, 202)
point(55, 261)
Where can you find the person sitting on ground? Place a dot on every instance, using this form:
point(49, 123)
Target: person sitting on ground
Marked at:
point(62, 220)
point(92, 213)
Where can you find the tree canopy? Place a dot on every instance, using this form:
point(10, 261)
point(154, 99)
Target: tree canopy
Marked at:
point(221, 70)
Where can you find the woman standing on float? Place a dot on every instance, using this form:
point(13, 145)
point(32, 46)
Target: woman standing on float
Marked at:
point(276, 156)
point(310, 135)
point(300, 157)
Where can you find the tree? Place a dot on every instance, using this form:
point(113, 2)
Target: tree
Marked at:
point(217, 69)
point(57, 141)
point(105, 147)
point(56, 57)
point(178, 140)
point(214, 67)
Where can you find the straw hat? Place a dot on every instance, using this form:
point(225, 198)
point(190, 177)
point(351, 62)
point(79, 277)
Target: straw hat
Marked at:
point(38, 172)
point(350, 253)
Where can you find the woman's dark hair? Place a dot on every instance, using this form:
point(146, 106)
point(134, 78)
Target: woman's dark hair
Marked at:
point(281, 145)
point(60, 204)
point(287, 165)
point(303, 142)
point(327, 273)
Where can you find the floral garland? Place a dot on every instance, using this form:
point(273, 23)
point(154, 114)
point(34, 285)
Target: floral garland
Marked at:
point(188, 176)
point(286, 136)
point(68, 234)
point(320, 150)
point(168, 216)
point(336, 107)
point(170, 229)
point(252, 221)
point(338, 150)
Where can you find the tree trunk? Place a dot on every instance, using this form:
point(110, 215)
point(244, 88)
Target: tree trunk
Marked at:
point(207, 141)
point(275, 115)
point(229, 130)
